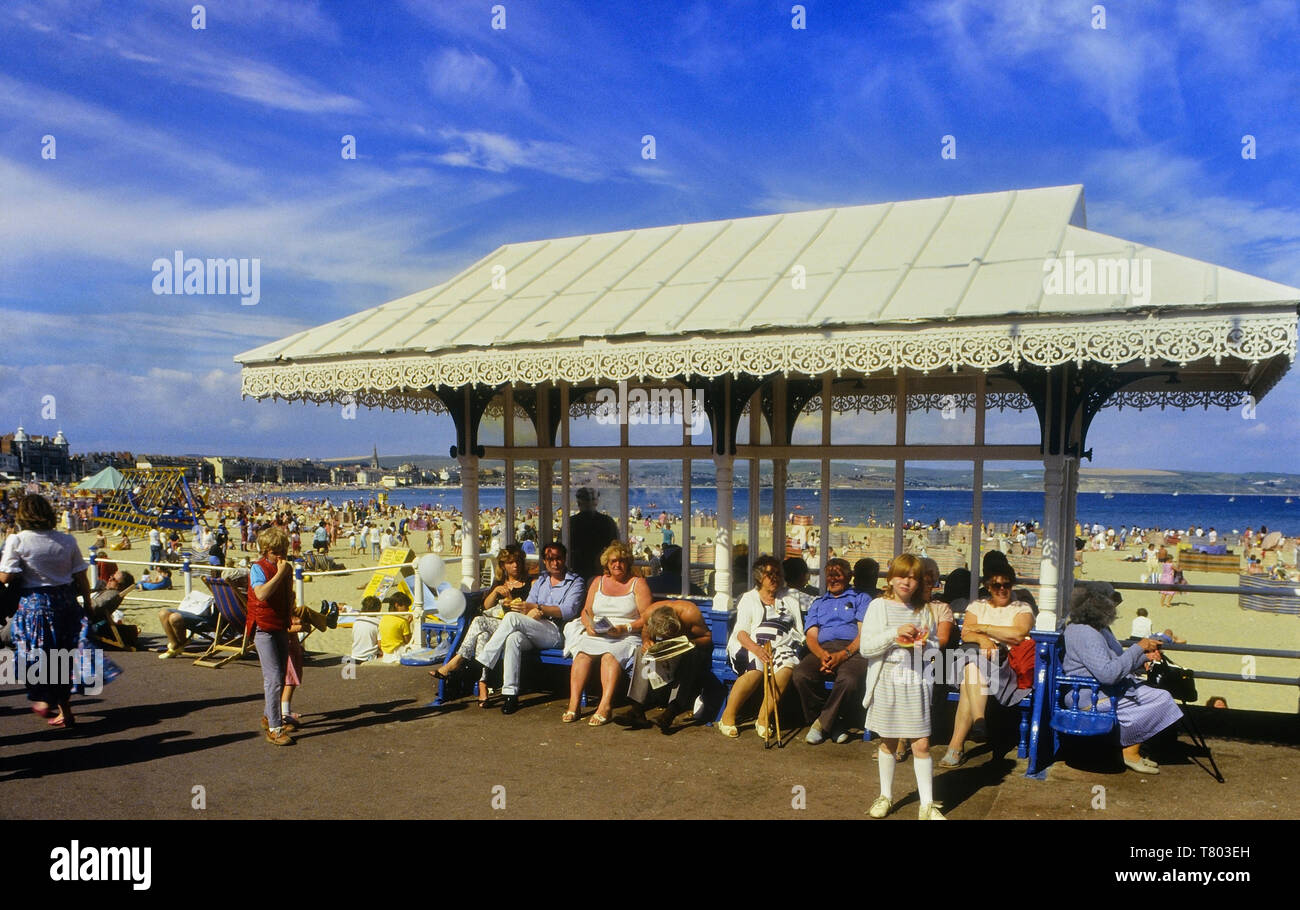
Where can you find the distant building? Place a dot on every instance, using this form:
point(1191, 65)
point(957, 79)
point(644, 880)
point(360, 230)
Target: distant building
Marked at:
point(302, 470)
point(38, 457)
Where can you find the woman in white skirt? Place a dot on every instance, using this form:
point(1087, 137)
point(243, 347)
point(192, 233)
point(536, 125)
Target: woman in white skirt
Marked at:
point(898, 690)
point(766, 615)
point(608, 628)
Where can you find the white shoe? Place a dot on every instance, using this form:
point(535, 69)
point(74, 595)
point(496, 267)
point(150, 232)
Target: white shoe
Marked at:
point(880, 808)
point(930, 812)
point(761, 730)
point(815, 735)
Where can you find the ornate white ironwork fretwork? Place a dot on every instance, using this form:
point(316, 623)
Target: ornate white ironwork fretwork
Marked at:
point(384, 381)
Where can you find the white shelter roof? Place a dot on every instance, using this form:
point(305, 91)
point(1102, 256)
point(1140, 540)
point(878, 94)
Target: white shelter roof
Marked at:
point(959, 281)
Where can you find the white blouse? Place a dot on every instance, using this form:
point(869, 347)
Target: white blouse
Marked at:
point(750, 612)
point(42, 558)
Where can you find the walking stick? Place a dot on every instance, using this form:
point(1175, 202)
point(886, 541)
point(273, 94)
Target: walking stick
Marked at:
point(771, 696)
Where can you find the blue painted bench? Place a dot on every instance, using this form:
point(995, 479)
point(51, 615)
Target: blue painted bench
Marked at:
point(1060, 709)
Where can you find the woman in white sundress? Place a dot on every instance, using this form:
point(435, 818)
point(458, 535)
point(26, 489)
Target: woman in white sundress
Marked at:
point(607, 632)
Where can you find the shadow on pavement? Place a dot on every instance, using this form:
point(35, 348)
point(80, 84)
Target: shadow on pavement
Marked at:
point(98, 754)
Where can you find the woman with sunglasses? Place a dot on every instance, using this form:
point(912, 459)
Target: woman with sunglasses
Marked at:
point(993, 625)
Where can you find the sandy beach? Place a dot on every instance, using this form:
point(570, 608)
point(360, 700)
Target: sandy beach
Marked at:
point(1198, 618)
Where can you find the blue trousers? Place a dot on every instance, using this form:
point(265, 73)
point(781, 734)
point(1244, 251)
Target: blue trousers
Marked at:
point(272, 654)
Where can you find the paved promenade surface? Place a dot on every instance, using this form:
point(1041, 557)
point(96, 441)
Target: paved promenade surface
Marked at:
point(372, 749)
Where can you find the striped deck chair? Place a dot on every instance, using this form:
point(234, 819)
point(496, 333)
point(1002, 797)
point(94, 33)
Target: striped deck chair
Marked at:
point(229, 642)
point(107, 632)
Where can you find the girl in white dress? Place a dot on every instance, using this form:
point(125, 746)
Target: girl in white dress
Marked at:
point(898, 690)
point(608, 628)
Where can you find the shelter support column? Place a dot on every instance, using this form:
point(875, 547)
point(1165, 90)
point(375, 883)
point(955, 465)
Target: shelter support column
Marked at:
point(1068, 554)
point(780, 466)
point(780, 474)
point(545, 504)
point(469, 544)
point(1055, 565)
point(722, 600)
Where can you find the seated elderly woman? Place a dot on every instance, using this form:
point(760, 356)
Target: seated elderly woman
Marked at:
point(766, 615)
point(992, 627)
point(512, 570)
point(608, 628)
point(1092, 650)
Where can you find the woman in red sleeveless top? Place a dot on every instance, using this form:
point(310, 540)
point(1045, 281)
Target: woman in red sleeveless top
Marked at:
point(270, 604)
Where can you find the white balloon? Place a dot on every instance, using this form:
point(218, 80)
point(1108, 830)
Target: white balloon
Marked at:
point(431, 569)
point(450, 604)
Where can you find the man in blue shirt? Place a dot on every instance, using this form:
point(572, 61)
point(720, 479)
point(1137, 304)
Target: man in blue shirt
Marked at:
point(832, 630)
point(555, 598)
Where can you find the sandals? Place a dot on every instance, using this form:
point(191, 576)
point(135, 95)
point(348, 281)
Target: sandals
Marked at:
point(63, 721)
point(439, 675)
point(568, 717)
point(728, 730)
point(483, 695)
point(953, 758)
point(598, 720)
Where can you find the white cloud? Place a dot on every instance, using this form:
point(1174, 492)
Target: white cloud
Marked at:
point(463, 76)
point(258, 82)
point(343, 233)
point(63, 115)
point(191, 60)
point(1176, 203)
point(499, 153)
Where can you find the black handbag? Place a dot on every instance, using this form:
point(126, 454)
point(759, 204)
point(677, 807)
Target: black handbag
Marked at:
point(1177, 681)
point(8, 600)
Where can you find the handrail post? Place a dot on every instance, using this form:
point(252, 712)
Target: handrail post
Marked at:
point(188, 572)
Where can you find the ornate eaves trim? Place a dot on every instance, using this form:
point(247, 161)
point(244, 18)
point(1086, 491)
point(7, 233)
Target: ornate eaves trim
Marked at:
point(397, 381)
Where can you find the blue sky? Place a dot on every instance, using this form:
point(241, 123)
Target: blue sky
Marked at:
point(225, 142)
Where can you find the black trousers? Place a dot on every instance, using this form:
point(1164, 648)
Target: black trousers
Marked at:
point(689, 672)
point(845, 694)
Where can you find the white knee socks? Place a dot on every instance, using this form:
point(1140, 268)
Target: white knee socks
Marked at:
point(924, 768)
point(885, 762)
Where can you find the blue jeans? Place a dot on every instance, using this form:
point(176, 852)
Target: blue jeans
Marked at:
point(272, 654)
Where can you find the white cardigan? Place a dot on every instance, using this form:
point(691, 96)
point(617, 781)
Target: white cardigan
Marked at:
point(750, 612)
point(877, 639)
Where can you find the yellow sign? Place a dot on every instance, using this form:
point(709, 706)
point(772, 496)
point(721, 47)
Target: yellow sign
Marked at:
point(390, 581)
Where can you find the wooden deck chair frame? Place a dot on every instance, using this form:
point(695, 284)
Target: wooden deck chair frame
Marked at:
point(113, 636)
point(231, 605)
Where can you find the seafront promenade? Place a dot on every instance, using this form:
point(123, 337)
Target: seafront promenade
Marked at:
point(372, 749)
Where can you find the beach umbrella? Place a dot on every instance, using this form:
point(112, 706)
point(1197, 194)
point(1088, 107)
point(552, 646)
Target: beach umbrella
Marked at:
point(108, 479)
